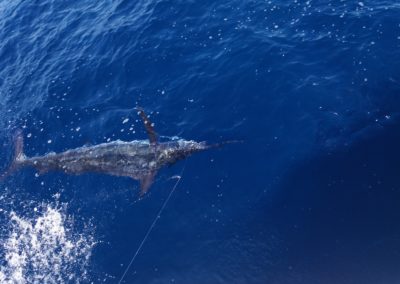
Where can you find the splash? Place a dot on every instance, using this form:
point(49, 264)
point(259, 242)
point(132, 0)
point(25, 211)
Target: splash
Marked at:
point(44, 249)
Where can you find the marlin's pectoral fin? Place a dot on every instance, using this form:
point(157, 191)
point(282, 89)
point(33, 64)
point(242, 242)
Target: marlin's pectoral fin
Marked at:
point(146, 182)
point(148, 125)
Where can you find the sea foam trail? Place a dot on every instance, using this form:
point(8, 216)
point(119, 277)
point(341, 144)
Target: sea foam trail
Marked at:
point(44, 249)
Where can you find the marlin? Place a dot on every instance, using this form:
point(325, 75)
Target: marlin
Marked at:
point(138, 159)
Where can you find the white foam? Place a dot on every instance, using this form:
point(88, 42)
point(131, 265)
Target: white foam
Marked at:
point(44, 249)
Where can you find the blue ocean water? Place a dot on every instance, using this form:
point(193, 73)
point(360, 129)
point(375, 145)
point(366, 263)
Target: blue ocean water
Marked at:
point(311, 87)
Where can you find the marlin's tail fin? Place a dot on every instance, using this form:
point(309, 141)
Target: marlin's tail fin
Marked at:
point(18, 157)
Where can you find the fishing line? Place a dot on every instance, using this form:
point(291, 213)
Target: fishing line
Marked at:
point(178, 177)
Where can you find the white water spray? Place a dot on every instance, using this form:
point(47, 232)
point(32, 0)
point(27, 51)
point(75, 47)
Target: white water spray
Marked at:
point(44, 249)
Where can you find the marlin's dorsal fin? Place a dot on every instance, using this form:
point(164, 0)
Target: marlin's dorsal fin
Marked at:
point(146, 182)
point(148, 125)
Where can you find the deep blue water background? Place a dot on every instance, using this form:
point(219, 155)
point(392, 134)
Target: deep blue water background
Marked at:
point(312, 87)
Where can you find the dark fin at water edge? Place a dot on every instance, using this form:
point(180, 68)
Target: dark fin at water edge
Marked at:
point(146, 182)
point(148, 125)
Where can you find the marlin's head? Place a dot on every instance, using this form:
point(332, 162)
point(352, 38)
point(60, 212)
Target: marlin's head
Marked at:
point(174, 151)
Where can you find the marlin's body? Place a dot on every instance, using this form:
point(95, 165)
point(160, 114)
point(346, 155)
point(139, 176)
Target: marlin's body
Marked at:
point(138, 159)
point(133, 159)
